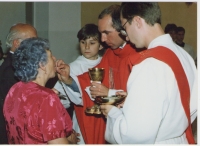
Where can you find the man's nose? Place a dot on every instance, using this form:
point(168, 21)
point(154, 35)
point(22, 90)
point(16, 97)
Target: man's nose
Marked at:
point(103, 38)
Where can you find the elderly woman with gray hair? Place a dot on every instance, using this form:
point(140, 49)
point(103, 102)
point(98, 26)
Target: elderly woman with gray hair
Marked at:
point(33, 113)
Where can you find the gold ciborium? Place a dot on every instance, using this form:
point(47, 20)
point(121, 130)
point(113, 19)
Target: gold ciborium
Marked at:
point(111, 100)
point(96, 74)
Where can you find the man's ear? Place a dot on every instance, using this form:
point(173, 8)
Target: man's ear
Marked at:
point(100, 47)
point(15, 44)
point(138, 21)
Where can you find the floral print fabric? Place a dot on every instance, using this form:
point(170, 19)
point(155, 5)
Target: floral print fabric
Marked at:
point(34, 115)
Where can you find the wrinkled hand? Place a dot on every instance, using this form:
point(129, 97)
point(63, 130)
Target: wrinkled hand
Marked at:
point(63, 71)
point(98, 89)
point(73, 138)
point(105, 109)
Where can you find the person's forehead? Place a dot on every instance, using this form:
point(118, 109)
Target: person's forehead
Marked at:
point(171, 31)
point(180, 32)
point(92, 38)
point(105, 23)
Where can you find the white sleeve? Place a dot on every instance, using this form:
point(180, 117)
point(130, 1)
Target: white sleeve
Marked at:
point(65, 103)
point(139, 112)
point(75, 97)
point(194, 101)
point(113, 92)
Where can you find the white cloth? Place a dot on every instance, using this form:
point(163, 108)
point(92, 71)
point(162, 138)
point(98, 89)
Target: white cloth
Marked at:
point(77, 67)
point(152, 111)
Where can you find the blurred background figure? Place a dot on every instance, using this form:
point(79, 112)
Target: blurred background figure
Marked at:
point(180, 34)
point(171, 30)
point(1, 54)
point(33, 113)
point(16, 35)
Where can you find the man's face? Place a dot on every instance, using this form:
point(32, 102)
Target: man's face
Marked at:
point(180, 36)
point(109, 35)
point(133, 31)
point(172, 33)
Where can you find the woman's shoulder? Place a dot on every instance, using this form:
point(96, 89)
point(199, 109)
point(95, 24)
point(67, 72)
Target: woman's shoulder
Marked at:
point(38, 90)
point(47, 91)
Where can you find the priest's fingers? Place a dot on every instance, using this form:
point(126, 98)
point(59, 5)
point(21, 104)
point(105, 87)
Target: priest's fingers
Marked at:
point(62, 66)
point(105, 109)
point(97, 89)
point(63, 71)
point(121, 93)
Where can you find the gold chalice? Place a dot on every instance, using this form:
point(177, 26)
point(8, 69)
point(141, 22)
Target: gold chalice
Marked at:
point(96, 74)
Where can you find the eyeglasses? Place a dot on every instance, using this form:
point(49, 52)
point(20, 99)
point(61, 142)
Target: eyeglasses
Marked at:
point(123, 31)
point(125, 23)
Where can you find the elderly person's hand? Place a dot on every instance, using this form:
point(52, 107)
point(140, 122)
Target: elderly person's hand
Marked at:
point(63, 71)
point(73, 138)
point(98, 89)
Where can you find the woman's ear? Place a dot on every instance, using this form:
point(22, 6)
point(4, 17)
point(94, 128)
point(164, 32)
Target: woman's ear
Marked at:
point(42, 67)
point(100, 47)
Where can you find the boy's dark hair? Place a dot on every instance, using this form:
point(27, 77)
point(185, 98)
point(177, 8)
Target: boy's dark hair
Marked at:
point(89, 30)
point(149, 11)
point(170, 27)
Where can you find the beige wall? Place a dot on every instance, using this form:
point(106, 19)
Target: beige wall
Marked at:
point(91, 10)
point(172, 12)
point(182, 15)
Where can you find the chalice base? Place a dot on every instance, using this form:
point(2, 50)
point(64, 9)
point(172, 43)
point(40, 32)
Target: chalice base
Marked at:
point(93, 110)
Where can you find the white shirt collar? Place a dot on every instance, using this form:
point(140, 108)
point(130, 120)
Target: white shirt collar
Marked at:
point(122, 46)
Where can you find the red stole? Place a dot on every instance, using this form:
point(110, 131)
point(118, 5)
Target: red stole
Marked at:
point(117, 72)
point(167, 56)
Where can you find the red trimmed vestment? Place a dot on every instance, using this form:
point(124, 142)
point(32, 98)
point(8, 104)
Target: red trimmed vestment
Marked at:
point(172, 60)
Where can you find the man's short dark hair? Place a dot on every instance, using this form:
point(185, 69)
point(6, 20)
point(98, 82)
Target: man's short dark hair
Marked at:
point(114, 12)
point(178, 29)
point(149, 11)
point(170, 27)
